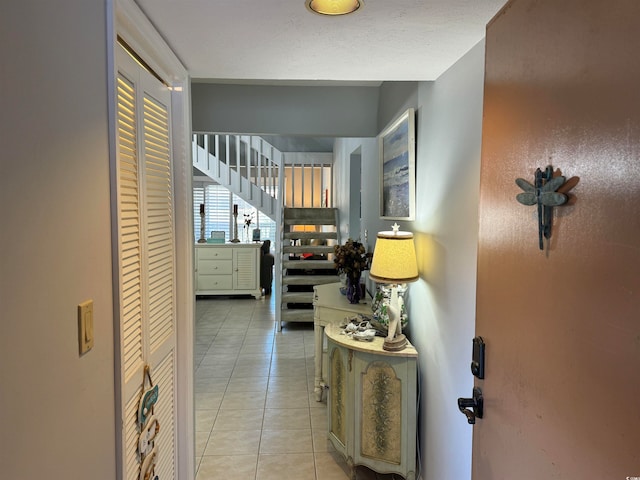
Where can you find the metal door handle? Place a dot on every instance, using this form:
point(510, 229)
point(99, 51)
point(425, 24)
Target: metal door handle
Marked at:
point(476, 403)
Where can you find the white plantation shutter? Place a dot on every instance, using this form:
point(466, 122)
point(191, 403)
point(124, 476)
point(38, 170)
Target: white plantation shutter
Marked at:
point(218, 204)
point(146, 261)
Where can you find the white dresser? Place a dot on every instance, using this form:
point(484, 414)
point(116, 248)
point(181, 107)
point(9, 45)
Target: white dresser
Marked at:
point(372, 404)
point(228, 269)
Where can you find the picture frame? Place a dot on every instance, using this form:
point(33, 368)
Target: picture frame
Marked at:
point(397, 151)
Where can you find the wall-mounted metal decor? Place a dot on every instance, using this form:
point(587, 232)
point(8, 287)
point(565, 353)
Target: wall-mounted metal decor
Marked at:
point(543, 194)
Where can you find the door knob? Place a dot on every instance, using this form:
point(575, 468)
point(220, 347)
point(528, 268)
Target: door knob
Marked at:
point(476, 405)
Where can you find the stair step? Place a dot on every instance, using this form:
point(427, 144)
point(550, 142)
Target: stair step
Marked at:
point(297, 297)
point(309, 264)
point(310, 235)
point(309, 279)
point(295, 315)
point(310, 216)
point(319, 249)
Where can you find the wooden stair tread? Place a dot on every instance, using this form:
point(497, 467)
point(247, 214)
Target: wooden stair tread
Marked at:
point(310, 235)
point(309, 264)
point(297, 315)
point(308, 249)
point(321, 213)
point(297, 297)
point(309, 279)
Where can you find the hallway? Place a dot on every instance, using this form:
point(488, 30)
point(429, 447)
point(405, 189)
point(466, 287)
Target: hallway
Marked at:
point(256, 417)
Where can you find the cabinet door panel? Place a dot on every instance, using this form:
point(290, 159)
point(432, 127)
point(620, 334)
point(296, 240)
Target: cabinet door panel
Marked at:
point(246, 263)
point(337, 400)
point(380, 415)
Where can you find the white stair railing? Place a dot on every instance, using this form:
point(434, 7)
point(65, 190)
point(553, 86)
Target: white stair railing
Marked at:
point(247, 165)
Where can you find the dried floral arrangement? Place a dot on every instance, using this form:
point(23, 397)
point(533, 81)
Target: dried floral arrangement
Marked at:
point(350, 258)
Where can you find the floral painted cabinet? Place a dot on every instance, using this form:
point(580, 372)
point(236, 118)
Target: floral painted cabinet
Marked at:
point(372, 404)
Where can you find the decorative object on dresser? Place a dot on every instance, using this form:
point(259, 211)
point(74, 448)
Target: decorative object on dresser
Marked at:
point(372, 404)
point(235, 238)
point(248, 219)
point(202, 239)
point(394, 262)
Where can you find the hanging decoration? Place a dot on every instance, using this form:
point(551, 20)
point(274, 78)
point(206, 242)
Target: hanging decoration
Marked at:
point(149, 428)
point(543, 194)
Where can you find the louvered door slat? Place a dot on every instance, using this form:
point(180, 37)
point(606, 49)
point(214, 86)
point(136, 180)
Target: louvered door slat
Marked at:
point(166, 415)
point(130, 250)
point(159, 222)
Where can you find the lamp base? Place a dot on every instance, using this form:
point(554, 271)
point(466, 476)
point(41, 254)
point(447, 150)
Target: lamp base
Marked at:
point(396, 344)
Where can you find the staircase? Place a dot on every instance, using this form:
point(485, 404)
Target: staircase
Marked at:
point(307, 239)
point(247, 165)
point(255, 170)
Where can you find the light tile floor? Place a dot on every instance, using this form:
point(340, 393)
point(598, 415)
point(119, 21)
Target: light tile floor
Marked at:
point(256, 415)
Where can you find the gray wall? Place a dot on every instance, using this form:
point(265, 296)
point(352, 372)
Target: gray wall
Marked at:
point(287, 110)
point(395, 98)
point(56, 407)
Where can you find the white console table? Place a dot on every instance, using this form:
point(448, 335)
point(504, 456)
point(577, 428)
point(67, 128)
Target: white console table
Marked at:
point(228, 269)
point(330, 306)
point(372, 404)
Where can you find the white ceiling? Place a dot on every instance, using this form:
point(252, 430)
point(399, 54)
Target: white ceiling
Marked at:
point(281, 41)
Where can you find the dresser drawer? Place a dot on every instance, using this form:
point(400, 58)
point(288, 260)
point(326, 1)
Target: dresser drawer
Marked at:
point(215, 282)
point(215, 253)
point(215, 267)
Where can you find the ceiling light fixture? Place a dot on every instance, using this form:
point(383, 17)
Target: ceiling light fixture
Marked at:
point(334, 7)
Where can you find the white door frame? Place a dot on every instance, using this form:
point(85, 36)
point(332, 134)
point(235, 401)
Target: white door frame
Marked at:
point(126, 20)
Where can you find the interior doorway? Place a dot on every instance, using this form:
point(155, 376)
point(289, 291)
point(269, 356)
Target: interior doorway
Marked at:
point(355, 193)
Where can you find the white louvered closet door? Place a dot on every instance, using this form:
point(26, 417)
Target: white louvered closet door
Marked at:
point(146, 260)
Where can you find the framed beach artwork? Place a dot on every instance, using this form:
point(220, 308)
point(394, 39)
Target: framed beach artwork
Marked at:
point(397, 149)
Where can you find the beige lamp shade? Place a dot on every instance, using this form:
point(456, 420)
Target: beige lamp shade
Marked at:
point(333, 7)
point(394, 258)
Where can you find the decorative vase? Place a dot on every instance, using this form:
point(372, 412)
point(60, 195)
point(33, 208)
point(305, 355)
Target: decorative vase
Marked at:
point(353, 288)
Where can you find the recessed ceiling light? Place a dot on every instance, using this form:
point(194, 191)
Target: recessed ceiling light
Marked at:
point(334, 7)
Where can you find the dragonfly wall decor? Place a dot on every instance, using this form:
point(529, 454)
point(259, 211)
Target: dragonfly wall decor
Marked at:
point(543, 194)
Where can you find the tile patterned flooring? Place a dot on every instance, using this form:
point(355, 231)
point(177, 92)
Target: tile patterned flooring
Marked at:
point(256, 415)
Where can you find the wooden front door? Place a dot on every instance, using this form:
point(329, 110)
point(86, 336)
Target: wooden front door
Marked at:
point(561, 325)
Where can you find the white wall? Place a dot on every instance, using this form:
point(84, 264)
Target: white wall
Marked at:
point(56, 408)
point(442, 302)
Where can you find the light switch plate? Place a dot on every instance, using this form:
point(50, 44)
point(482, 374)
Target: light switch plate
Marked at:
point(85, 326)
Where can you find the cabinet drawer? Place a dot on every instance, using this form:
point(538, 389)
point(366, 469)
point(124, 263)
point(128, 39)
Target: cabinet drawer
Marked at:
point(215, 253)
point(214, 282)
point(215, 267)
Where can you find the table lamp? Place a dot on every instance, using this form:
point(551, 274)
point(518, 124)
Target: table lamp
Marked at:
point(394, 262)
